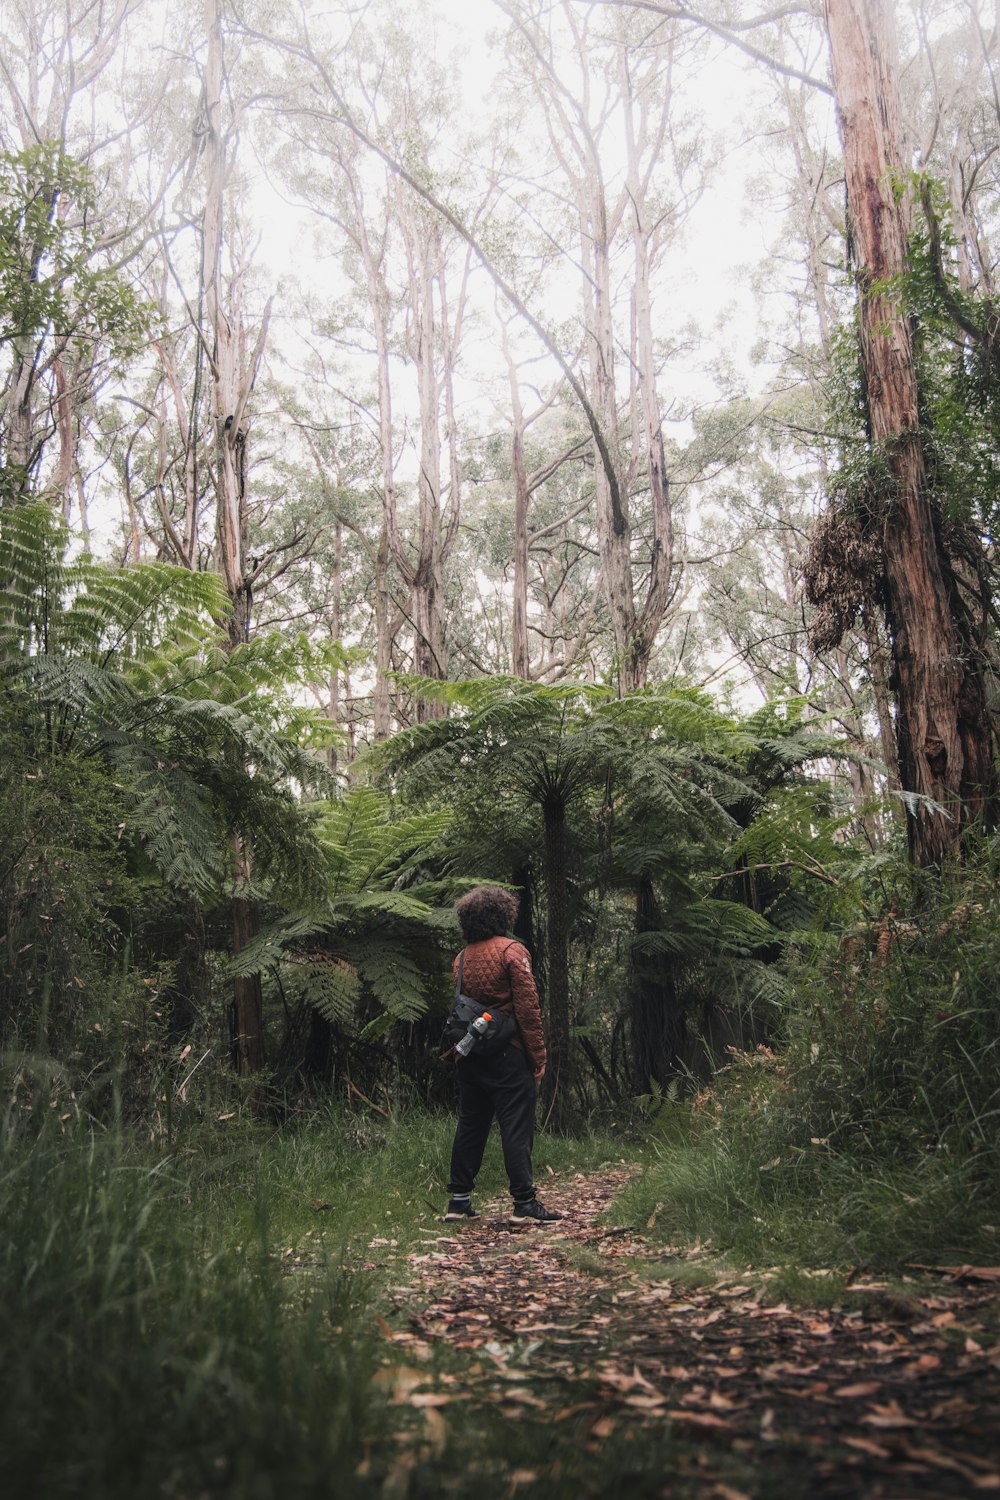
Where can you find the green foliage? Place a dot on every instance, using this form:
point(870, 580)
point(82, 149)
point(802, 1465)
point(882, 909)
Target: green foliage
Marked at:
point(56, 274)
point(160, 1347)
point(365, 846)
point(134, 750)
point(660, 792)
point(64, 877)
point(958, 371)
point(200, 1323)
point(124, 665)
point(871, 1136)
point(365, 940)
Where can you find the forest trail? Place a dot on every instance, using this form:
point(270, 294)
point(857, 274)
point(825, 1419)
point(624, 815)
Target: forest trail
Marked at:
point(612, 1377)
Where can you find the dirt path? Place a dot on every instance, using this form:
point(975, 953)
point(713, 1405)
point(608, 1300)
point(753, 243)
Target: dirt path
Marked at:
point(566, 1361)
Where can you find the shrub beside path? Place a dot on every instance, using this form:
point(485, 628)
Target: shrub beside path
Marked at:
point(581, 1360)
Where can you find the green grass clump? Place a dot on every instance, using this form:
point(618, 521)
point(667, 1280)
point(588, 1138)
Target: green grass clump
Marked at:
point(148, 1352)
point(870, 1136)
point(203, 1322)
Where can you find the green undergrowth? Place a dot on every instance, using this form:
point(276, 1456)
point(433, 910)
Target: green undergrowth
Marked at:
point(836, 1212)
point(202, 1321)
point(867, 1137)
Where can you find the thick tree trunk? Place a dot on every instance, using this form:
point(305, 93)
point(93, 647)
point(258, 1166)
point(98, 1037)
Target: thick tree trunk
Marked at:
point(558, 1078)
point(938, 742)
point(656, 1024)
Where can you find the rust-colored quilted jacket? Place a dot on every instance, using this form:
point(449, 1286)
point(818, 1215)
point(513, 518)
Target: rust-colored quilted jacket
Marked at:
point(497, 972)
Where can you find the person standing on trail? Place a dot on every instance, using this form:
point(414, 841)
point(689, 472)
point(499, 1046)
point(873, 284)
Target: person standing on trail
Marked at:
point(495, 971)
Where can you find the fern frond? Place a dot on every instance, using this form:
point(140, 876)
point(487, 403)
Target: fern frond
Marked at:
point(173, 816)
point(331, 986)
point(366, 846)
point(394, 978)
point(271, 945)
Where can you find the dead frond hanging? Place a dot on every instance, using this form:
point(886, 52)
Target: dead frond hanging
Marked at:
point(842, 574)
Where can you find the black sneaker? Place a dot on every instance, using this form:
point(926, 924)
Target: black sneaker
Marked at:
point(460, 1209)
point(533, 1212)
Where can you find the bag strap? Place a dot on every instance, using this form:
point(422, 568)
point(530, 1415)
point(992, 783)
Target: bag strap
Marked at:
point(507, 1006)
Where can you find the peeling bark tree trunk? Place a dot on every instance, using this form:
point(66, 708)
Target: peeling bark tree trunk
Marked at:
point(386, 624)
point(520, 656)
point(382, 708)
point(425, 575)
point(943, 742)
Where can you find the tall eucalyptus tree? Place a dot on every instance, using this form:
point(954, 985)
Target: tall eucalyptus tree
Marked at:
point(943, 731)
point(598, 88)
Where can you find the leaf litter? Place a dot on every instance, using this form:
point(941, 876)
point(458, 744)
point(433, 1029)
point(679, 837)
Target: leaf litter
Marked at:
point(556, 1327)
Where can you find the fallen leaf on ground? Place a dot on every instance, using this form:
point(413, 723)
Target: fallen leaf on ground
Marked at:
point(863, 1388)
point(939, 1460)
point(888, 1416)
point(865, 1445)
point(645, 1403)
point(720, 1402)
point(618, 1381)
point(700, 1420)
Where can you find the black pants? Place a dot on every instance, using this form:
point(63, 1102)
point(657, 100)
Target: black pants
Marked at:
point(502, 1087)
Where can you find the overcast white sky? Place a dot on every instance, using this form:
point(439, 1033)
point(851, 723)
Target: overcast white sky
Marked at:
point(730, 234)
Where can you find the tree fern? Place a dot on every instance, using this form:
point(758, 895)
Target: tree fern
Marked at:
point(363, 937)
point(125, 665)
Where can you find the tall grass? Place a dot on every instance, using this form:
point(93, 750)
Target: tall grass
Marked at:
point(159, 1337)
point(870, 1136)
point(150, 1352)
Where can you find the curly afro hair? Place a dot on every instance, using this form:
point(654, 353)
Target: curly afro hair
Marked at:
point(488, 911)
